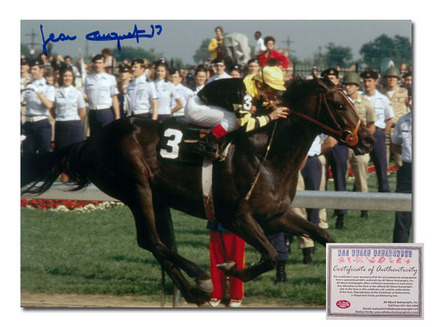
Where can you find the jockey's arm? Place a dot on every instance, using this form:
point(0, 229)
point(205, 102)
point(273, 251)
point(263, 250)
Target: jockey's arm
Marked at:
point(246, 118)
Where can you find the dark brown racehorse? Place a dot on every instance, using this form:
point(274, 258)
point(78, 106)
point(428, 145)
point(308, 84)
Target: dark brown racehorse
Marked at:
point(122, 162)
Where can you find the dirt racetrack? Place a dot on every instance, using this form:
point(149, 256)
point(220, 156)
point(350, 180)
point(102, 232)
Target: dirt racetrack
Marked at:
point(40, 300)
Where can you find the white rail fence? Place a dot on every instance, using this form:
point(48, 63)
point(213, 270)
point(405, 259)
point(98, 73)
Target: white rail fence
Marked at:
point(304, 199)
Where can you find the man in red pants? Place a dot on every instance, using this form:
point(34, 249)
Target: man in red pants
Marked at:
point(224, 247)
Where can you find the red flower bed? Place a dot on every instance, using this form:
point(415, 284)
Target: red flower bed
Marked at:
point(371, 169)
point(53, 204)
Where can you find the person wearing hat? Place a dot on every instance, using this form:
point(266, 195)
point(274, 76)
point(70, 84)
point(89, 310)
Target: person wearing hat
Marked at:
point(25, 72)
point(100, 90)
point(359, 163)
point(25, 79)
point(227, 104)
point(142, 94)
point(38, 97)
point(219, 64)
point(402, 144)
point(337, 156)
point(384, 114)
point(332, 74)
point(236, 72)
point(124, 77)
point(184, 92)
point(399, 100)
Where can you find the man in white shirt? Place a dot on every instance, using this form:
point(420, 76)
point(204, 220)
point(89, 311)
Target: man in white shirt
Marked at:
point(359, 163)
point(220, 66)
point(384, 114)
point(38, 97)
point(259, 45)
point(142, 94)
point(101, 91)
point(398, 97)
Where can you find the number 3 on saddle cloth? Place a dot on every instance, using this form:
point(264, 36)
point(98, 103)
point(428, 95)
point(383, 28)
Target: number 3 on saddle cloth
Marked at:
point(177, 138)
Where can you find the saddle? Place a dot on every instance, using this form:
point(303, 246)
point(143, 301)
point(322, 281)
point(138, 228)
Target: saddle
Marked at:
point(177, 138)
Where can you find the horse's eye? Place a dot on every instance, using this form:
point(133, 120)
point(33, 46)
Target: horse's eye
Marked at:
point(340, 106)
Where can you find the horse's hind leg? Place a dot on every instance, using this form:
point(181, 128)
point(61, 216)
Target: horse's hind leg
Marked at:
point(165, 230)
point(191, 294)
point(140, 202)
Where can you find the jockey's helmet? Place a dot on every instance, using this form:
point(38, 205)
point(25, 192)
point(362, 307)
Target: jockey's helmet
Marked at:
point(272, 76)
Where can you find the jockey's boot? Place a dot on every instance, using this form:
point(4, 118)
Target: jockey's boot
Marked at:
point(208, 146)
point(280, 272)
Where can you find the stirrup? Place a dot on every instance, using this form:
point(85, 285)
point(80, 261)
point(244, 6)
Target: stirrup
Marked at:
point(203, 148)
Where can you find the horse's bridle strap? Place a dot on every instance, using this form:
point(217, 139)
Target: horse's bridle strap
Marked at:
point(316, 122)
point(346, 136)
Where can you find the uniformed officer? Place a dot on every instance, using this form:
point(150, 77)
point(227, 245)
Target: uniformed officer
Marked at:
point(337, 157)
point(38, 97)
point(100, 89)
point(123, 80)
point(332, 74)
point(402, 144)
point(384, 113)
point(366, 111)
point(25, 79)
point(312, 172)
point(142, 94)
point(399, 100)
point(310, 178)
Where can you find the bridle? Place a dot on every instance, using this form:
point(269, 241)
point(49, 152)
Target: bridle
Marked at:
point(345, 136)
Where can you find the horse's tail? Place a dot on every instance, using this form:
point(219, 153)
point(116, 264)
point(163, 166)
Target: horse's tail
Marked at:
point(39, 171)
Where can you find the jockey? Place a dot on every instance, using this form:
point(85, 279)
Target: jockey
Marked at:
point(227, 104)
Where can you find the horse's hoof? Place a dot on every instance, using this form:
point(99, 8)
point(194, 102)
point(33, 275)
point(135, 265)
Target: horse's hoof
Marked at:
point(226, 266)
point(205, 285)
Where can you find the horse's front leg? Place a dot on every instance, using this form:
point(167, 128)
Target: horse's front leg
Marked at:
point(245, 226)
point(292, 223)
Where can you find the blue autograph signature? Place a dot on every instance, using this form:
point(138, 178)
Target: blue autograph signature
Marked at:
point(52, 38)
point(136, 34)
point(97, 36)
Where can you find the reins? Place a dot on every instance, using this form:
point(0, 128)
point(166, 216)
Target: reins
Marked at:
point(248, 195)
point(346, 136)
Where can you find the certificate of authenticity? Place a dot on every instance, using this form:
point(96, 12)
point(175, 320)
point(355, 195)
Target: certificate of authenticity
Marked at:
point(374, 281)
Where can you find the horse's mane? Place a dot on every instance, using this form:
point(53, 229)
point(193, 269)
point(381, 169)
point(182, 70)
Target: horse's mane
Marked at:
point(298, 88)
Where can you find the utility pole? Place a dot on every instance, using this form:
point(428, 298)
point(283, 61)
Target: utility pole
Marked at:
point(32, 43)
point(288, 43)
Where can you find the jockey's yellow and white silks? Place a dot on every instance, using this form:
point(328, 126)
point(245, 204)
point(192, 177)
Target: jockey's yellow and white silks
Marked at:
point(233, 102)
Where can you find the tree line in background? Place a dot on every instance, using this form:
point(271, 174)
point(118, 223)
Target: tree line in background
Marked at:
point(372, 54)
